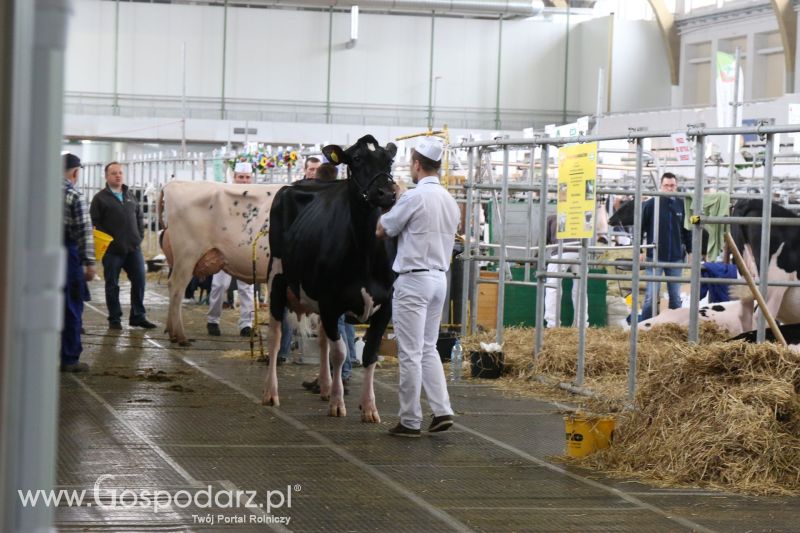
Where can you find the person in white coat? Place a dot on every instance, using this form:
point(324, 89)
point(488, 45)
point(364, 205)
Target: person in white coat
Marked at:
point(242, 174)
point(425, 220)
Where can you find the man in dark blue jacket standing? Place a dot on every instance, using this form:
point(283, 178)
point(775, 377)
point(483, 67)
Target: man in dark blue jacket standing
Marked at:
point(674, 242)
point(115, 211)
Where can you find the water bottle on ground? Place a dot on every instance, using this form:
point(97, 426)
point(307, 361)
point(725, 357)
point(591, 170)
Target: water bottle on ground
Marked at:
point(456, 360)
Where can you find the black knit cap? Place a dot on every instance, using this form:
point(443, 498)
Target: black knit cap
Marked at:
point(72, 161)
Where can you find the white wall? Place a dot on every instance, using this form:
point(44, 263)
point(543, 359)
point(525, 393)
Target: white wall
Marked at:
point(90, 48)
point(467, 66)
point(641, 76)
point(592, 43)
point(274, 54)
point(533, 64)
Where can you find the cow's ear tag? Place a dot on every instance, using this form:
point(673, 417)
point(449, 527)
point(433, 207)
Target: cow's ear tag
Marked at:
point(334, 157)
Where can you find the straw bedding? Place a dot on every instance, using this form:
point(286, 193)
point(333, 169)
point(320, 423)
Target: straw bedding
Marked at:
point(719, 414)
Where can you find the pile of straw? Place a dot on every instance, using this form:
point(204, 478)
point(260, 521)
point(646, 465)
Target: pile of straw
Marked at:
point(724, 415)
point(607, 349)
point(718, 414)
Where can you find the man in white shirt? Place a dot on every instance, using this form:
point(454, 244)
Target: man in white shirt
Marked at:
point(425, 220)
point(243, 174)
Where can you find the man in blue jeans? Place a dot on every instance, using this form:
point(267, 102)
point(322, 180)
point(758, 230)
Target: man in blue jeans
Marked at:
point(80, 266)
point(115, 211)
point(674, 242)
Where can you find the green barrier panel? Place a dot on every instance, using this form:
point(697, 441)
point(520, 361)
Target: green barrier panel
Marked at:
point(596, 288)
point(520, 303)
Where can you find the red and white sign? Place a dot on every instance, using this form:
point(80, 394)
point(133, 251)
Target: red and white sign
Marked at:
point(684, 151)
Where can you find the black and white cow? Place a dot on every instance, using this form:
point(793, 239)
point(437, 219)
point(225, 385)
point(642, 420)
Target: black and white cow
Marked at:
point(784, 258)
point(327, 260)
point(738, 317)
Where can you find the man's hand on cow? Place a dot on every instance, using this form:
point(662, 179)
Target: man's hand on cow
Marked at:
point(89, 273)
point(380, 232)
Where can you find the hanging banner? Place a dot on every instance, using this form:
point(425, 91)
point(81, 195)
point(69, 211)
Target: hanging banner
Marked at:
point(726, 78)
point(683, 150)
point(577, 172)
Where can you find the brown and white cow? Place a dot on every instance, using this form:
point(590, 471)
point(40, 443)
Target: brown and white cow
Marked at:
point(211, 227)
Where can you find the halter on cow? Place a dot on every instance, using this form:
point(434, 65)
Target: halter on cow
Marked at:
point(327, 260)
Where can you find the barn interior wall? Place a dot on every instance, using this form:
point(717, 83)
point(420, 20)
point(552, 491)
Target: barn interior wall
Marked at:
point(282, 55)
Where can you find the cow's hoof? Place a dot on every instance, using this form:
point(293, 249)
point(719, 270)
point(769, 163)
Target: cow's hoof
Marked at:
point(270, 400)
point(337, 409)
point(185, 342)
point(325, 397)
point(370, 415)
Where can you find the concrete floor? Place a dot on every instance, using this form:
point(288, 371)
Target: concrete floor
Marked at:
point(195, 420)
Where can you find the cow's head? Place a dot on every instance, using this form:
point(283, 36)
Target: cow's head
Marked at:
point(369, 167)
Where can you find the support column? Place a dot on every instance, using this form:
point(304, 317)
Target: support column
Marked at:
point(430, 73)
point(224, 57)
point(499, 58)
point(35, 33)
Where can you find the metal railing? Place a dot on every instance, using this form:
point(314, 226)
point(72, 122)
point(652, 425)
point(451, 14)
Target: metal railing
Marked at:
point(473, 248)
point(244, 109)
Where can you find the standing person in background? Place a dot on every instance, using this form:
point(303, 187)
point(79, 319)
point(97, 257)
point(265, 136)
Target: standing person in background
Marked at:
point(115, 211)
point(310, 169)
point(242, 175)
point(674, 242)
point(425, 220)
point(79, 244)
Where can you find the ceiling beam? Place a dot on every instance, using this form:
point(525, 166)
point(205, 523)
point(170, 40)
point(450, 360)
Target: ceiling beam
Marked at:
point(787, 23)
point(672, 41)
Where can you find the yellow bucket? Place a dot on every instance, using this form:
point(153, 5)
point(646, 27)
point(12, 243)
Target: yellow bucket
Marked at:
point(101, 242)
point(586, 435)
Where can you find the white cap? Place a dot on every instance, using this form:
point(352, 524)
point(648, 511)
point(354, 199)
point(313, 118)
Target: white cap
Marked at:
point(430, 147)
point(243, 167)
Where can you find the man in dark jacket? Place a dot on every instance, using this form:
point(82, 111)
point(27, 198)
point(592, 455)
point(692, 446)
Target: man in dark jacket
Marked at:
point(674, 242)
point(115, 211)
point(80, 266)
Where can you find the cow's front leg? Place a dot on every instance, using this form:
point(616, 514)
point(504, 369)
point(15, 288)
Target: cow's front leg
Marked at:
point(369, 408)
point(271, 383)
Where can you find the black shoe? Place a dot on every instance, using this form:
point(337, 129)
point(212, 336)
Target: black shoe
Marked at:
point(213, 329)
point(441, 423)
point(75, 367)
point(143, 323)
point(115, 324)
point(310, 385)
point(246, 331)
point(401, 431)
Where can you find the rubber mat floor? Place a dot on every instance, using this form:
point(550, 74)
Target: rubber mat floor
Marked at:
point(160, 438)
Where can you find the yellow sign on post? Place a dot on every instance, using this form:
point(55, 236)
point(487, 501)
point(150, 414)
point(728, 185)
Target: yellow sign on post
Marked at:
point(577, 171)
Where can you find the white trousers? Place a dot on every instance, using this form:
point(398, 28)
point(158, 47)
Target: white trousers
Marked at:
point(550, 293)
point(219, 284)
point(417, 313)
